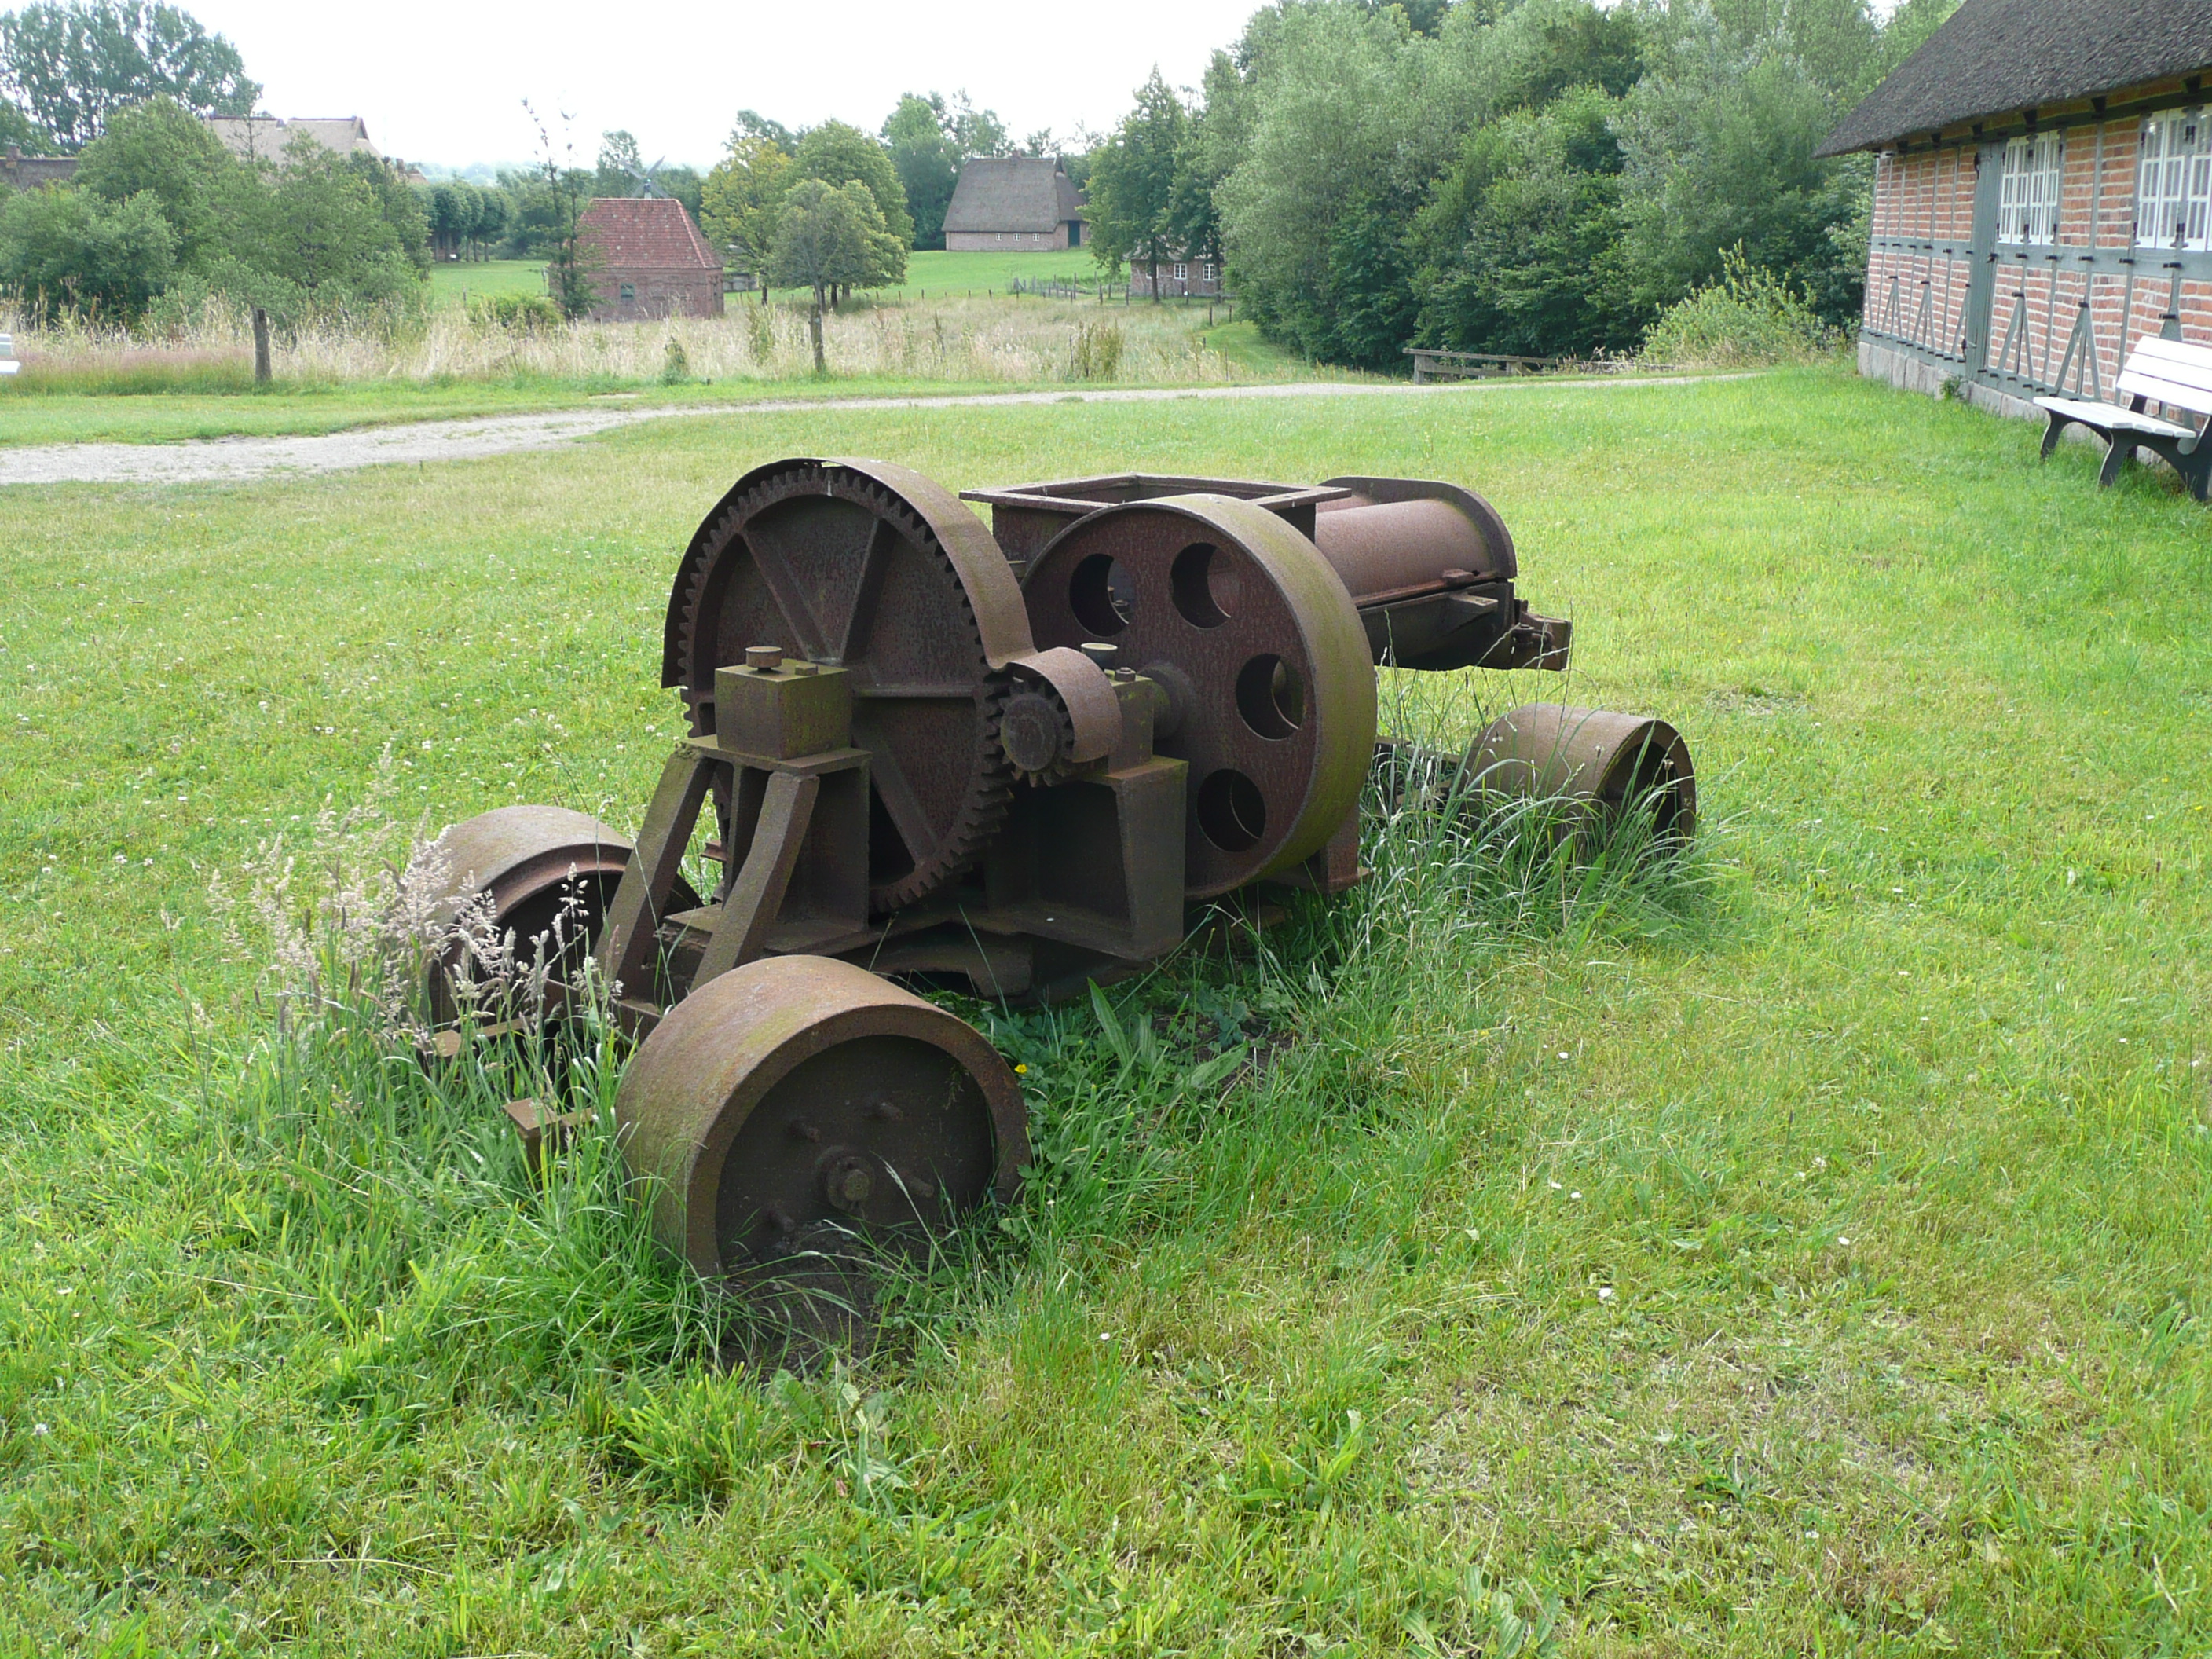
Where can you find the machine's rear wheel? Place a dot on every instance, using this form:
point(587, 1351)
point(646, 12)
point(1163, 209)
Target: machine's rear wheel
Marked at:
point(799, 1094)
point(545, 875)
point(1606, 763)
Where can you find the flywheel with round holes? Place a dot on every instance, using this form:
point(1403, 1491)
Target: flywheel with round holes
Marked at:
point(874, 568)
point(1268, 672)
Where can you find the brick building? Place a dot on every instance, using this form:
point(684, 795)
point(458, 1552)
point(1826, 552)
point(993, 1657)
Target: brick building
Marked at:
point(2042, 197)
point(1011, 203)
point(1179, 277)
point(651, 260)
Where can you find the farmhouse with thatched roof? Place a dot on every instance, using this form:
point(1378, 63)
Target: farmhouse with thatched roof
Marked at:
point(2042, 198)
point(1008, 203)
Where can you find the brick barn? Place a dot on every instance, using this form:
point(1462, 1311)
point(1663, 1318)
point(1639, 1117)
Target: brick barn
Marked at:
point(1013, 203)
point(651, 261)
point(1181, 276)
point(2042, 197)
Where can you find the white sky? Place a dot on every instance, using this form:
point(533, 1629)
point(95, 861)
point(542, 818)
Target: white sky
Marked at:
point(443, 82)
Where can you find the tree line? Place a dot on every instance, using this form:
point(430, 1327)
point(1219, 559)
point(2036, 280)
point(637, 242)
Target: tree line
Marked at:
point(1533, 177)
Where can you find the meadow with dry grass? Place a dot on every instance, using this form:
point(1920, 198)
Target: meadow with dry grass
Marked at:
point(1804, 1253)
point(994, 341)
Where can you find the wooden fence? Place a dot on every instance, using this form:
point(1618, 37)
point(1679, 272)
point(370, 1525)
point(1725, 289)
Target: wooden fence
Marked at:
point(1430, 364)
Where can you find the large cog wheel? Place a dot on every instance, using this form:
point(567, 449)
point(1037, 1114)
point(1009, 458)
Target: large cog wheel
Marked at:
point(873, 568)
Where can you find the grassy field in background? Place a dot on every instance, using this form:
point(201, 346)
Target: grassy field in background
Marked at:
point(481, 279)
point(1811, 1260)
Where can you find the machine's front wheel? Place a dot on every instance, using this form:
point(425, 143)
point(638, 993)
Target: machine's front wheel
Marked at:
point(797, 1095)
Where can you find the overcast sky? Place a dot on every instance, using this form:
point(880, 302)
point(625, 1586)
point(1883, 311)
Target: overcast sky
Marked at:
point(444, 83)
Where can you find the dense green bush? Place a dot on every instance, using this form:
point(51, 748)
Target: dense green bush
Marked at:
point(69, 251)
point(1745, 315)
point(525, 314)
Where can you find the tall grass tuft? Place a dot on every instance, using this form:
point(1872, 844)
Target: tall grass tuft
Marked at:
point(444, 1268)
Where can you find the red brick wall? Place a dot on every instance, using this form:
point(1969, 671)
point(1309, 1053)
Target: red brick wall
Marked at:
point(656, 293)
point(1928, 196)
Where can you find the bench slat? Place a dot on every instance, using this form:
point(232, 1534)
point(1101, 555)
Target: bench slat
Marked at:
point(2135, 382)
point(2160, 348)
point(2111, 417)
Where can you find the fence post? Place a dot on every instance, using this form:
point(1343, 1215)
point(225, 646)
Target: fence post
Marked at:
point(260, 346)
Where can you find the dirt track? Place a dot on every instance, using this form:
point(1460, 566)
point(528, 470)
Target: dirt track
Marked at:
point(239, 460)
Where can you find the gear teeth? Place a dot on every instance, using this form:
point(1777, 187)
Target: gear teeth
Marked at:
point(989, 792)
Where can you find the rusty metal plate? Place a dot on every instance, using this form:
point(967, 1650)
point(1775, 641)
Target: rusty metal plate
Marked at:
point(1263, 656)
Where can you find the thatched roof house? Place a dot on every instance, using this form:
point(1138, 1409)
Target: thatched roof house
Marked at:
point(1013, 202)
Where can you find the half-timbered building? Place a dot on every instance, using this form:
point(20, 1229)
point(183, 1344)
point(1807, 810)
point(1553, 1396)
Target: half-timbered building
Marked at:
point(2042, 197)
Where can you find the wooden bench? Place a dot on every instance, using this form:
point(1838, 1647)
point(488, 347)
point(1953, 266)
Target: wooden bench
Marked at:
point(1431, 364)
point(2169, 371)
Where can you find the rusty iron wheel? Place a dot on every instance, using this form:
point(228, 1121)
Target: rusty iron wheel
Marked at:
point(1268, 670)
point(796, 1093)
point(550, 873)
point(876, 569)
point(1606, 763)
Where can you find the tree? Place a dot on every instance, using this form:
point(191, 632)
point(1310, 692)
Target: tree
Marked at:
point(313, 236)
point(396, 200)
point(926, 157)
point(751, 124)
point(72, 65)
point(550, 220)
point(162, 149)
point(620, 168)
point(69, 250)
point(1718, 142)
point(1521, 238)
point(1132, 179)
point(740, 200)
point(840, 155)
point(833, 236)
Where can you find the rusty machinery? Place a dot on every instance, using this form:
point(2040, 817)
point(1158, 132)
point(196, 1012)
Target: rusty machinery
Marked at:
point(1014, 757)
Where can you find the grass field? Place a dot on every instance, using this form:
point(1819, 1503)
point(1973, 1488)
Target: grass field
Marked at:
point(946, 274)
point(1809, 1258)
point(482, 279)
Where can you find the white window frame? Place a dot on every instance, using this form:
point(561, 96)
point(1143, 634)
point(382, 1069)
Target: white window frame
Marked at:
point(2030, 188)
point(1181, 271)
point(2174, 180)
point(1207, 273)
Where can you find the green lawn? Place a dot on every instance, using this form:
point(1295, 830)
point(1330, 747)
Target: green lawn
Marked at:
point(450, 282)
point(1810, 1259)
point(289, 408)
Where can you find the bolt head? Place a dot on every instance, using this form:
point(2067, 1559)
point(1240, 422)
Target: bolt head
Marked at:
point(763, 656)
point(849, 1184)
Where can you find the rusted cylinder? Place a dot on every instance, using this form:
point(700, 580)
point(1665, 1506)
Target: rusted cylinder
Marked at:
point(797, 1091)
point(1398, 548)
point(549, 872)
point(1400, 537)
point(1593, 757)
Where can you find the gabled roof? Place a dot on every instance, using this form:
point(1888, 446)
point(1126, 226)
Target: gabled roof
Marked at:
point(1993, 57)
point(268, 137)
point(1012, 192)
point(645, 233)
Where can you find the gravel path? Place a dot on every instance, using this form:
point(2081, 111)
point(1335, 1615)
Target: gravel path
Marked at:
point(232, 459)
